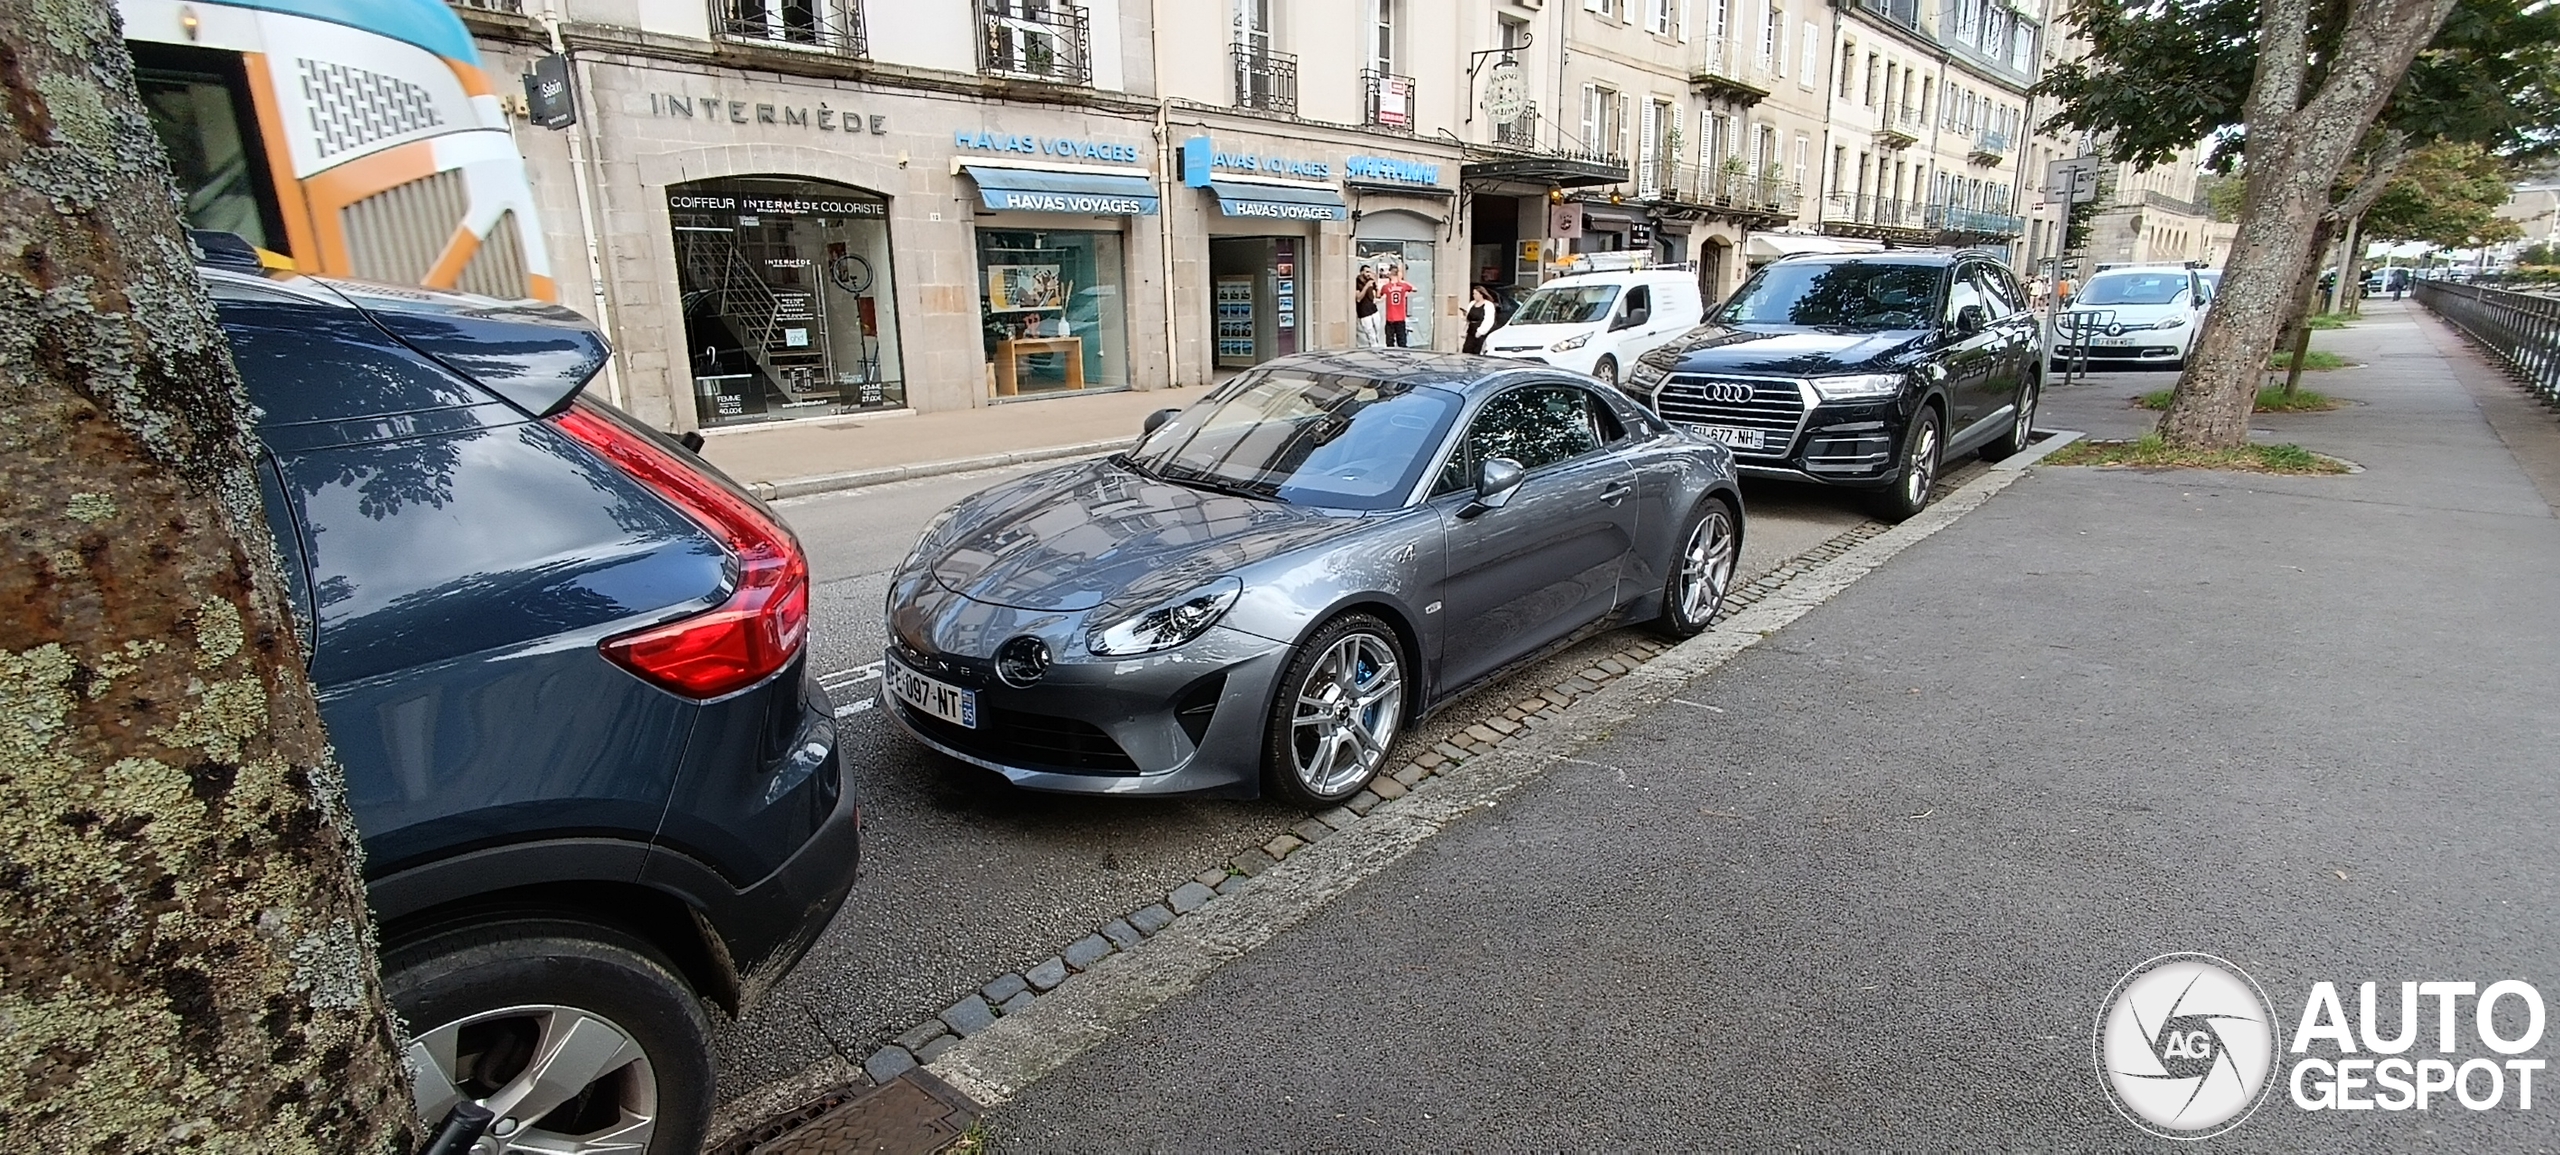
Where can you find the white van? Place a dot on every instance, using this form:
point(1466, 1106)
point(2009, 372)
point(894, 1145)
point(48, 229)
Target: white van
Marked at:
point(1599, 323)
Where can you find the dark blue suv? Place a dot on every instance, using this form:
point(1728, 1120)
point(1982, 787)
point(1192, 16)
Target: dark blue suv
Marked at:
point(562, 662)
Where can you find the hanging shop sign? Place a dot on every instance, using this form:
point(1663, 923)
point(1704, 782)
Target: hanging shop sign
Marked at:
point(547, 95)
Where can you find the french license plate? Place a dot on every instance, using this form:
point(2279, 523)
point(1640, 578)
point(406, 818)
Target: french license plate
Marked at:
point(941, 699)
point(1731, 437)
point(2115, 340)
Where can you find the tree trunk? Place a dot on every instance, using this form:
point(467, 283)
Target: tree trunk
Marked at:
point(186, 961)
point(2297, 151)
point(2351, 264)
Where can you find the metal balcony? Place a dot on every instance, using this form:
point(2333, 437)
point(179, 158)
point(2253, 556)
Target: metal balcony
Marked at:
point(1387, 99)
point(1035, 40)
point(1721, 191)
point(510, 7)
point(1961, 224)
point(1990, 147)
point(1717, 77)
point(1265, 80)
point(825, 25)
point(1521, 133)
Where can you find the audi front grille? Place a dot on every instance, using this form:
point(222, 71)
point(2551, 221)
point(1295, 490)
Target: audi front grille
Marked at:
point(1774, 407)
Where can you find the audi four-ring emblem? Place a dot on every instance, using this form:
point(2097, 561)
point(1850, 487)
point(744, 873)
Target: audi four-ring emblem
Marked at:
point(1727, 392)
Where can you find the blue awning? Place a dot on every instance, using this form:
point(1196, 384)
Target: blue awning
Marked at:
point(1279, 202)
point(1050, 190)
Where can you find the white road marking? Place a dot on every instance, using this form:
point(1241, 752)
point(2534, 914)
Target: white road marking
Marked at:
point(853, 677)
point(850, 709)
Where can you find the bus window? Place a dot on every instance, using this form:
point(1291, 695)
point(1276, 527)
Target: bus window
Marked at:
point(198, 104)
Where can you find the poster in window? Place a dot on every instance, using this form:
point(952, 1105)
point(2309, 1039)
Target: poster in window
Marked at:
point(1022, 288)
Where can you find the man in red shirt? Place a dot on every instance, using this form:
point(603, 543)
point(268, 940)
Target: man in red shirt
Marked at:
point(1397, 293)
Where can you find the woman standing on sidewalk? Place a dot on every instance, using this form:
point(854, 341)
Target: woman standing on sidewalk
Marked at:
point(1368, 329)
point(1479, 318)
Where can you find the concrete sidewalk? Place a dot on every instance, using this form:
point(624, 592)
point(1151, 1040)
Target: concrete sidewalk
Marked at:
point(788, 459)
point(1868, 885)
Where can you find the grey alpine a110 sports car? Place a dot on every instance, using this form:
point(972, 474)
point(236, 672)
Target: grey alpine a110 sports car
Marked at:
point(1271, 583)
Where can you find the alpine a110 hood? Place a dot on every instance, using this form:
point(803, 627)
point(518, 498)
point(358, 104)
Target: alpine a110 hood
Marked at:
point(1075, 538)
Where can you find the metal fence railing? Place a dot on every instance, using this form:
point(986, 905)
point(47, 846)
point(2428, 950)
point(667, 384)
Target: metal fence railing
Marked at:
point(2522, 329)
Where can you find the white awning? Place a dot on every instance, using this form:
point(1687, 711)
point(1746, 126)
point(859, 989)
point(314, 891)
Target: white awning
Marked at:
point(1771, 246)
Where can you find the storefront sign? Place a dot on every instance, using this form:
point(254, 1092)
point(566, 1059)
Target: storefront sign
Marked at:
point(1385, 168)
point(713, 108)
point(1058, 146)
point(1200, 158)
point(787, 206)
point(547, 95)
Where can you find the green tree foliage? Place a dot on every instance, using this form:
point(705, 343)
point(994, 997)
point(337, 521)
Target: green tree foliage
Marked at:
point(2448, 195)
point(2221, 194)
point(2161, 76)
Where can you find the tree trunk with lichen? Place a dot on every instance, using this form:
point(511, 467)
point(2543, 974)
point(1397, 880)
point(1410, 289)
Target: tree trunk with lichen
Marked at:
point(186, 962)
point(2300, 141)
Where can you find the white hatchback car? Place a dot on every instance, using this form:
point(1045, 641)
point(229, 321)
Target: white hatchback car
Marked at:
point(1599, 323)
point(2144, 313)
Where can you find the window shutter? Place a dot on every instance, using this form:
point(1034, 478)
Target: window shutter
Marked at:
point(1684, 21)
point(1646, 152)
point(1591, 117)
point(1595, 5)
point(1622, 125)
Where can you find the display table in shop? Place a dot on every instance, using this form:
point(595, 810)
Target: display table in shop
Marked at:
point(1011, 351)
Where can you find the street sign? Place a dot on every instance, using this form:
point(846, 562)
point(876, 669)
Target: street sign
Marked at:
point(546, 92)
point(2071, 180)
point(1506, 92)
point(1564, 221)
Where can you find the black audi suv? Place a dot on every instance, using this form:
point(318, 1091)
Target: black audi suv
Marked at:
point(562, 662)
point(1865, 371)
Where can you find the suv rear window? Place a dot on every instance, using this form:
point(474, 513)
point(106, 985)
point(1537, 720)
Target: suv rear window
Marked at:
point(2161, 288)
point(1837, 295)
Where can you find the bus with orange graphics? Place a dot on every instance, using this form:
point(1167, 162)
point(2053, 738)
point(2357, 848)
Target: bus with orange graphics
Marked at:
point(357, 138)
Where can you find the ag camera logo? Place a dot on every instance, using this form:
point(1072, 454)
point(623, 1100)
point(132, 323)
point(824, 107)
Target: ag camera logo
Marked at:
point(2185, 1045)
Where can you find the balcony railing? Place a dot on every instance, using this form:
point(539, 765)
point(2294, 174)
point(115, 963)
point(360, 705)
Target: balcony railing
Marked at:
point(1883, 212)
point(1265, 79)
point(1720, 187)
point(1035, 40)
point(510, 7)
point(828, 25)
point(1388, 99)
point(1990, 147)
point(1973, 222)
point(1521, 133)
point(1718, 75)
point(1898, 127)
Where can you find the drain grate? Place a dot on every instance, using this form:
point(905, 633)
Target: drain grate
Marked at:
point(913, 1114)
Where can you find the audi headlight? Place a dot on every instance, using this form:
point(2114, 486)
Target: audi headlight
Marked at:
point(1863, 387)
point(1570, 343)
point(1647, 375)
point(1169, 624)
point(2171, 323)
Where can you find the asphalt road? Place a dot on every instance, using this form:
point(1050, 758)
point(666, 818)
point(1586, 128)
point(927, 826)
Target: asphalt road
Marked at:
point(963, 877)
point(1876, 898)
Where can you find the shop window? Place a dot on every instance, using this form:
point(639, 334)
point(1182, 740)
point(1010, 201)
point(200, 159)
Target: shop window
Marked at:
point(786, 297)
point(1054, 310)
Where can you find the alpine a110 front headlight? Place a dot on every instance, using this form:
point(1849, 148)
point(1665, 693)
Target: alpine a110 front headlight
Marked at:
point(1168, 624)
point(1863, 387)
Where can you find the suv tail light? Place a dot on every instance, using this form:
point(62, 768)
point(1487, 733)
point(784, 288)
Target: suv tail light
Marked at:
point(761, 626)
